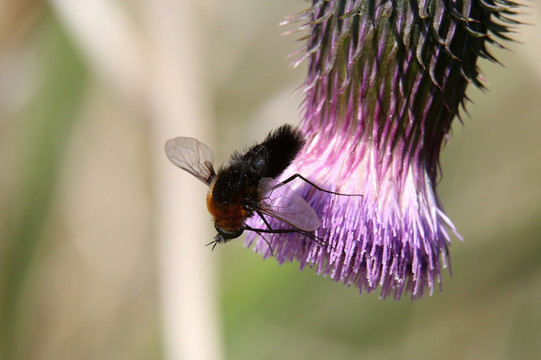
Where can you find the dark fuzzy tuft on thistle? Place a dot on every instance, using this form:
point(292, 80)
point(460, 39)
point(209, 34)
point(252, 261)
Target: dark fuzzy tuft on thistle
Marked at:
point(274, 154)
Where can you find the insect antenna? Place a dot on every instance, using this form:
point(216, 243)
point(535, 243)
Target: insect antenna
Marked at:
point(215, 242)
point(293, 177)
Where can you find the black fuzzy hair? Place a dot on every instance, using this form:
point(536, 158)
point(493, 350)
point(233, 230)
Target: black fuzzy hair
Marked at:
point(283, 145)
point(271, 157)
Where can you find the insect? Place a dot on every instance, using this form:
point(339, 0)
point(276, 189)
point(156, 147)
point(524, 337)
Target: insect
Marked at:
point(246, 185)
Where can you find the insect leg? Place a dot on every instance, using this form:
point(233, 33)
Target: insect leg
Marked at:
point(293, 177)
point(263, 218)
point(316, 239)
point(265, 239)
point(213, 246)
point(268, 226)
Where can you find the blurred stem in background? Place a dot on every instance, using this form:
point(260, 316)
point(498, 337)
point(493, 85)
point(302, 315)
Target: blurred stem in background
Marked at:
point(180, 105)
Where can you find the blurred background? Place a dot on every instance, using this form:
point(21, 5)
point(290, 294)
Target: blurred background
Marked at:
point(102, 250)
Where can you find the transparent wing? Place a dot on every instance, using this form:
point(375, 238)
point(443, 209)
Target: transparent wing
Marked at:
point(193, 156)
point(281, 202)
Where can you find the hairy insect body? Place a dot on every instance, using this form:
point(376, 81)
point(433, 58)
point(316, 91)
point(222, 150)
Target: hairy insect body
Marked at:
point(246, 185)
point(233, 196)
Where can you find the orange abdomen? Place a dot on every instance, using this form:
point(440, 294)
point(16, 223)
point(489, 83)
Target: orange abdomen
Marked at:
point(229, 217)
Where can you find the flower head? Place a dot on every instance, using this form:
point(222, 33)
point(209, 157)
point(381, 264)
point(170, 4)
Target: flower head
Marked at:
point(385, 80)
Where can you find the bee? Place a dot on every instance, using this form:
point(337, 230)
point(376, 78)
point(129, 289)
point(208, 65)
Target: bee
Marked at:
point(246, 185)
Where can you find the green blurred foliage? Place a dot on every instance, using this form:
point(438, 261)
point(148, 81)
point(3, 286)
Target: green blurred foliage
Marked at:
point(43, 128)
point(49, 308)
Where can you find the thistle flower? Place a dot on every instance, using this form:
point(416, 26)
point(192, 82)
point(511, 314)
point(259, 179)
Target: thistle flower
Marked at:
point(385, 80)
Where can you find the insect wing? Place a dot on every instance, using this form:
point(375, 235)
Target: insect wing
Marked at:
point(281, 202)
point(193, 156)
